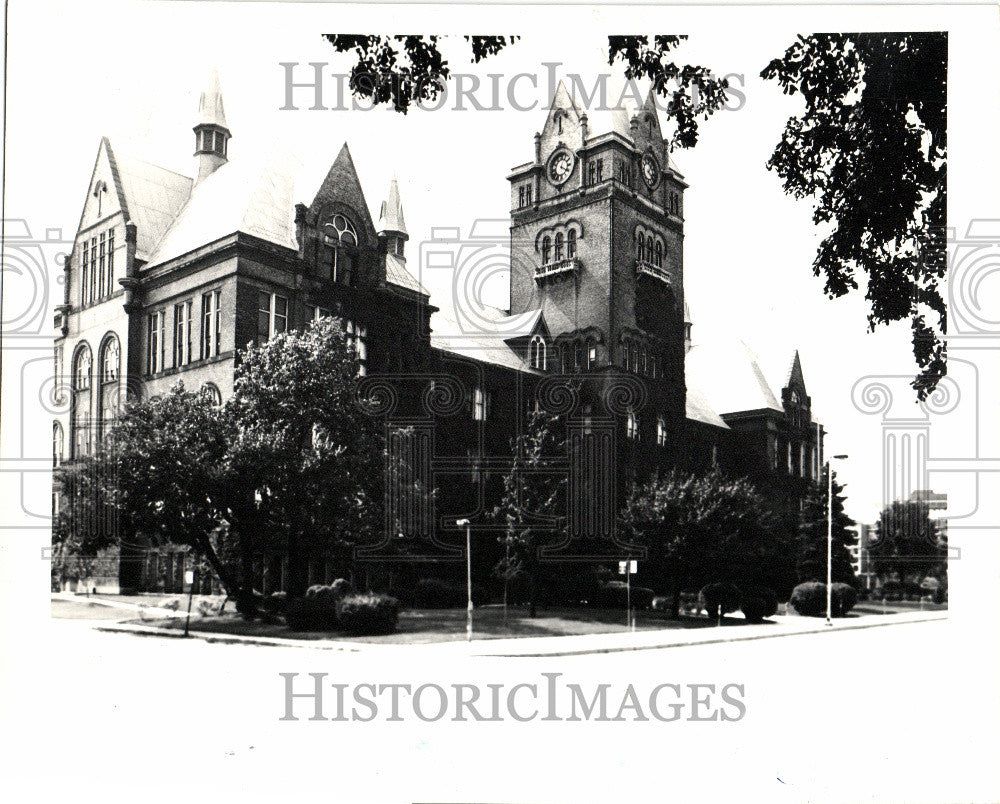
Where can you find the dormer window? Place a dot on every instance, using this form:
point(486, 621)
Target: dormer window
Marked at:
point(536, 353)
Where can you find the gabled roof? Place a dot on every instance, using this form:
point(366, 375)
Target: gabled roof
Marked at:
point(254, 197)
point(730, 377)
point(480, 335)
point(153, 197)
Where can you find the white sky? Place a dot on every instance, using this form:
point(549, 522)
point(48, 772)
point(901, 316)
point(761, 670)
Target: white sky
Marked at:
point(748, 248)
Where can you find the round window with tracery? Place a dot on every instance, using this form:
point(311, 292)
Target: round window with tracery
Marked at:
point(341, 231)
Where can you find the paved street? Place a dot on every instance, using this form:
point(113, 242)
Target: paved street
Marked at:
point(104, 715)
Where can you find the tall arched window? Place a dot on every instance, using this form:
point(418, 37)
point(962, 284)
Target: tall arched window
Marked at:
point(109, 385)
point(537, 352)
point(57, 444)
point(661, 431)
point(342, 239)
point(559, 246)
point(632, 425)
point(640, 251)
point(211, 393)
point(546, 249)
point(571, 243)
point(649, 248)
point(81, 413)
point(658, 254)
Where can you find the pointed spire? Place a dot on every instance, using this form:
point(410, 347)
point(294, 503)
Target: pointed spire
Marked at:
point(795, 378)
point(390, 219)
point(210, 109)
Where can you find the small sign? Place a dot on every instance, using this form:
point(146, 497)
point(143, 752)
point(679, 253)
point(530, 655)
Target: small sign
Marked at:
point(628, 567)
point(189, 577)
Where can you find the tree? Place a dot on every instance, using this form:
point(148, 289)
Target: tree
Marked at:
point(404, 69)
point(307, 447)
point(162, 468)
point(811, 563)
point(871, 149)
point(907, 541)
point(701, 529)
point(533, 503)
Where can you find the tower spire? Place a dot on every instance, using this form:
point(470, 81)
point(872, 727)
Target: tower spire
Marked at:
point(391, 226)
point(211, 131)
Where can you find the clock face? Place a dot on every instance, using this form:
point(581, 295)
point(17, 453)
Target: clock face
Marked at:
point(650, 170)
point(560, 166)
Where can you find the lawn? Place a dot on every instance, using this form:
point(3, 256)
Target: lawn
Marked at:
point(421, 626)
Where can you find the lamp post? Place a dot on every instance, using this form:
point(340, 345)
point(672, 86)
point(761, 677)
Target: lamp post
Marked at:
point(468, 575)
point(829, 537)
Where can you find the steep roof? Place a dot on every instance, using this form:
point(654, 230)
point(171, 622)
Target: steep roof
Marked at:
point(153, 197)
point(699, 409)
point(210, 109)
point(729, 375)
point(795, 378)
point(482, 335)
point(390, 218)
point(397, 274)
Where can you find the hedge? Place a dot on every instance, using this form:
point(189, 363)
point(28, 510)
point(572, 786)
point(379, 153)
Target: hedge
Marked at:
point(719, 598)
point(368, 614)
point(758, 603)
point(809, 599)
point(618, 594)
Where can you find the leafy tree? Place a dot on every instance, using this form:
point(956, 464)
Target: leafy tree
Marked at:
point(700, 529)
point(870, 148)
point(404, 69)
point(907, 541)
point(811, 564)
point(307, 446)
point(163, 470)
point(533, 504)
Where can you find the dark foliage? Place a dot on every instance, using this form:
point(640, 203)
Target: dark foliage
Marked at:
point(870, 149)
point(368, 614)
point(757, 603)
point(812, 541)
point(719, 598)
point(616, 594)
point(312, 614)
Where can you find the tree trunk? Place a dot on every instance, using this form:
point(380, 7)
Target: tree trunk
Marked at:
point(232, 586)
point(298, 569)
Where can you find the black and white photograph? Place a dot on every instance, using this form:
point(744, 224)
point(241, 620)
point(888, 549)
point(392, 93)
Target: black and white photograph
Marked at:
point(526, 404)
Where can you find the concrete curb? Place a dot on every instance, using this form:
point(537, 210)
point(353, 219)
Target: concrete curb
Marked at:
point(528, 647)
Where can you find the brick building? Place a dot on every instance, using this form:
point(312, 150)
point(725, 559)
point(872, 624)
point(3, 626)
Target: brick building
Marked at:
point(171, 275)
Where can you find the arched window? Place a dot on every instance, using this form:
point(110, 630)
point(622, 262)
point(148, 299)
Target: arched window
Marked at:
point(661, 431)
point(591, 353)
point(57, 444)
point(81, 413)
point(658, 254)
point(640, 252)
point(571, 243)
point(537, 352)
point(342, 240)
point(649, 248)
point(577, 356)
point(546, 249)
point(559, 246)
point(210, 391)
point(632, 425)
point(110, 370)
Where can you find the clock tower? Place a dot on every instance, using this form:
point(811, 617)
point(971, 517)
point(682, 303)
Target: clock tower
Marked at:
point(597, 245)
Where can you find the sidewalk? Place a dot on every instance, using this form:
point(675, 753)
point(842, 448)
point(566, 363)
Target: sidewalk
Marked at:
point(528, 647)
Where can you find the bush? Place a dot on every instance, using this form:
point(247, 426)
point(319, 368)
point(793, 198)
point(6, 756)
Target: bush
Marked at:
point(758, 603)
point(433, 593)
point(843, 597)
point(312, 613)
point(368, 614)
point(719, 598)
point(332, 592)
point(275, 603)
point(617, 594)
point(809, 599)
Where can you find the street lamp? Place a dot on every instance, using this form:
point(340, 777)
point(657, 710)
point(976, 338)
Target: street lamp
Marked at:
point(829, 536)
point(468, 575)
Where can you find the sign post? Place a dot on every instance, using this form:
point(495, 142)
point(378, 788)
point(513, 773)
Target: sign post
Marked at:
point(628, 568)
point(189, 580)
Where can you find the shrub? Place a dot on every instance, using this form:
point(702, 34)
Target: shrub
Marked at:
point(342, 587)
point(758, 603)
point(313, 613)
point(368, 614)
point(719, 598)
point(332, 592)
point(618, 594)
point(809, 599)
point(433, 593)
point(209, 608)
point(275, 603)
point(843, 597)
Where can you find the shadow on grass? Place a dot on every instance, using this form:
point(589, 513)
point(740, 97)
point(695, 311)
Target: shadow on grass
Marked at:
point(423, 626)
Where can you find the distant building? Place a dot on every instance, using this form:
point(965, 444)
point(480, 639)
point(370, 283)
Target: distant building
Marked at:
point(171, 275)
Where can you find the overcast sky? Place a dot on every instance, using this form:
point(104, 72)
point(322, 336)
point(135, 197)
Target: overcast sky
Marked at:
point(748, 247)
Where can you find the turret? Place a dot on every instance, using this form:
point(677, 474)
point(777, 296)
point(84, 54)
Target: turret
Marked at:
point(211, 135)
point(391, 226)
